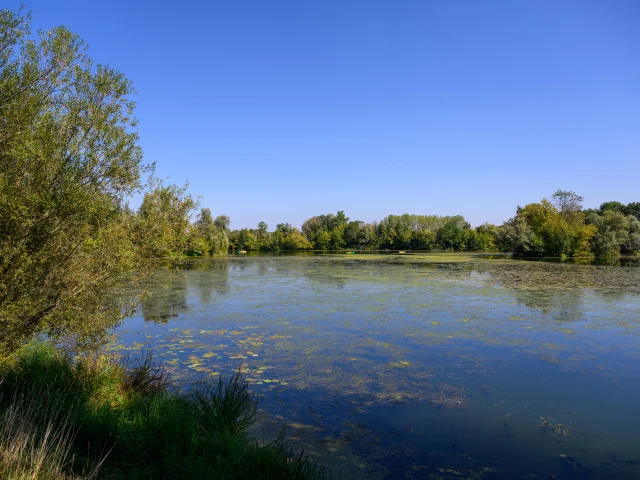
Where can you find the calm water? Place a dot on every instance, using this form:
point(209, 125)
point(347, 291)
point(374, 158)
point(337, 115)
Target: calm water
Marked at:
point(417, 367)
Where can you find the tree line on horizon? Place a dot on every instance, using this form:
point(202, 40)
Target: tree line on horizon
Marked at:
point(555, 227)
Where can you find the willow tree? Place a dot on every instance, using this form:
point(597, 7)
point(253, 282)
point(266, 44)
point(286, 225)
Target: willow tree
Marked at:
point(69, 157)
point(212, 235)
point(165, 212)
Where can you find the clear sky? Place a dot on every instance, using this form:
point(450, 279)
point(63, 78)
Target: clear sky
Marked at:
point(281, 110)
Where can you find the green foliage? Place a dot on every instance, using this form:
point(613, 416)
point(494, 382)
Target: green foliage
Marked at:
point(632, 245)
point(246, 240)
point(472, 240)
point(423, 240)
point(542, 229)
point(323, 240)
point(488, 236)
point(451, 235)
point(629, 243)
point(422, 232)
point(117, 421)
point(337, 238)
point(613, 230)
point(632, 209)
point(207, 236)
point(165, 212)
point(516, 236)
point(289, 238)
point(327, 232)
point(69, 156)
point(397, 232)
point(222, 222)
point(558, 228)
point(612, 207)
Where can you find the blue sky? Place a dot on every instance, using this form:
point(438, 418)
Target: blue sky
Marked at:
point(278, 111)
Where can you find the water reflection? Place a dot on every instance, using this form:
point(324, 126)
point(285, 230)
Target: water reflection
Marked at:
point(167, 298)
point(168, 289)
point(565, 306)
point(612, 261)
point(209, 277)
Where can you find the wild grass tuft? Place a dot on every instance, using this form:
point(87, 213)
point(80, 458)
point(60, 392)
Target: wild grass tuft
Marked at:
point(224, 406)
point(143, 376)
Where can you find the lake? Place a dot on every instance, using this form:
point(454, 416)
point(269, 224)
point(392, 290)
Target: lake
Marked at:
point(402, 366)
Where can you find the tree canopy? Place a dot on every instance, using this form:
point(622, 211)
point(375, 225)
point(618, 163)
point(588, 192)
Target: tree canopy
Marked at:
point(69, 157)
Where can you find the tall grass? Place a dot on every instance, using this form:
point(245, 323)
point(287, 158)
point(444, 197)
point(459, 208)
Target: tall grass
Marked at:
point(226, 406)
point(97, 417)
point(36, 438)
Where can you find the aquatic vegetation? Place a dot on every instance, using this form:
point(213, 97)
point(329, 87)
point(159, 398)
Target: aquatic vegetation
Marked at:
point(449, 396)
point(546, 425)
point(399, 364)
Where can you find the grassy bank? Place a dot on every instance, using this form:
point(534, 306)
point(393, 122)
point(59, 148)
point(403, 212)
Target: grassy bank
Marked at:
point(96, 417)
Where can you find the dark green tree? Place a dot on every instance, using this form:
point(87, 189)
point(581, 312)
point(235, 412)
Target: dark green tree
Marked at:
point(451, 235)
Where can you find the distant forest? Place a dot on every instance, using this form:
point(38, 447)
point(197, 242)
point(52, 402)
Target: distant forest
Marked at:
point(555, 227)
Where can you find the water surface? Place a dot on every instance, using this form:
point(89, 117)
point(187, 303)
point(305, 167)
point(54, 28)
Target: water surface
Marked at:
point(417, 367)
